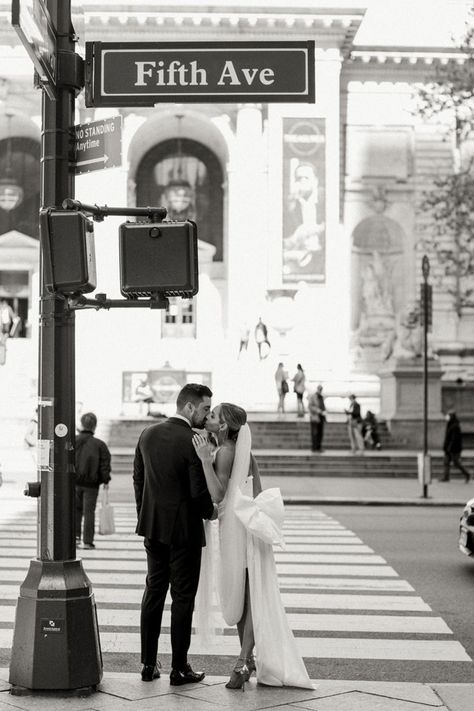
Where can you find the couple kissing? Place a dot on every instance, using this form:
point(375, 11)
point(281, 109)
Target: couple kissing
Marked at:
point(181, 478)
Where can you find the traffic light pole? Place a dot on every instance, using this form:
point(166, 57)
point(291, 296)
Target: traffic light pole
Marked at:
point(56, 642)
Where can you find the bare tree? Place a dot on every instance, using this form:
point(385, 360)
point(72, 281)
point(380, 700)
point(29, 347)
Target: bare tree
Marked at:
point(447, 231)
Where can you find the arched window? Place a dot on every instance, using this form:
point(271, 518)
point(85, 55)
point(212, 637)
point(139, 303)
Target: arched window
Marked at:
point(185, 177)
point(22, 156)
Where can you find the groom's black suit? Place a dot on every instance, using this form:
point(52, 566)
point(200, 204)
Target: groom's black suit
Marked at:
point(172, 499)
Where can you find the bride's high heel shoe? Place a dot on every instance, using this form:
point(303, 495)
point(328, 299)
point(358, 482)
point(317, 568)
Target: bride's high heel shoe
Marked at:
point(251, 665)
point(239, 675)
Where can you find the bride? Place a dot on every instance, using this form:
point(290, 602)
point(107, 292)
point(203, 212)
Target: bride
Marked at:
point(250, 522)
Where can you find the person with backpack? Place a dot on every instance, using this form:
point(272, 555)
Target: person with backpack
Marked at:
point(92, 469)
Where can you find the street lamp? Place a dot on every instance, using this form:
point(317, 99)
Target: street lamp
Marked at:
point(179, 193)
point(426, 315)
point(11, 193)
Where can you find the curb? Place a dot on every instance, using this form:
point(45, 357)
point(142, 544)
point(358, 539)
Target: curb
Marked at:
point(344, 501)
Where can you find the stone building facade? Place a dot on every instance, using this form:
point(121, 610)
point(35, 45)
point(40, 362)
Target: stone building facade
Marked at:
point(307, 215)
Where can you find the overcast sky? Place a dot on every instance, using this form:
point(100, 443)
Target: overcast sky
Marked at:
point(413, 22)
point(388, 22)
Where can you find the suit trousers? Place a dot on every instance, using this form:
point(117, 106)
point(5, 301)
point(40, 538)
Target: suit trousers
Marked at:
point(317, 433)
point(177, 568)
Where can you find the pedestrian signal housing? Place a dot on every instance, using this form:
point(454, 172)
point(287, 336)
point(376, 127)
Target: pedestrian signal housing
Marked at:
point(67, 239)
point(158, 258)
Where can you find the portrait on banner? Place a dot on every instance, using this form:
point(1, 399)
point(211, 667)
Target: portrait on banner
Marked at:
point(304, 209)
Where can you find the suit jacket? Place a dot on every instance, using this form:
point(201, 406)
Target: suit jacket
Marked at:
point(170, 487)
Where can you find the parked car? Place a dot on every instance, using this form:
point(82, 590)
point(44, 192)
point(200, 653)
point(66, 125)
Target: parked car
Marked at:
point(466, 529)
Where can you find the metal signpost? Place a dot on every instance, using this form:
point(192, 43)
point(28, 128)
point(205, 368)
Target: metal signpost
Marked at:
point(98, 145)
point(56, 640)
point(131, 74)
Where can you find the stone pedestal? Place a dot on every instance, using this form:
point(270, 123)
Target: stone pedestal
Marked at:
point(401, 402)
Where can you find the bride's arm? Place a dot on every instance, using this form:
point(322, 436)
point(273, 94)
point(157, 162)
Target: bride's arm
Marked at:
point(257, 483)
point(216, 475)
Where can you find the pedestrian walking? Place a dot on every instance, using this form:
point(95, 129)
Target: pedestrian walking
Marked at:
point(282, 387)
point(299, 387)
point(452, 447)
point(244, 338)
point(92, 469)
point(261, 339)
point(317, 418)
point(354, 426)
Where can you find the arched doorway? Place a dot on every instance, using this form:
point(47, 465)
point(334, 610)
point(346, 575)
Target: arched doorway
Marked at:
point(20, 156)
point(186, 177)
point(19, 227)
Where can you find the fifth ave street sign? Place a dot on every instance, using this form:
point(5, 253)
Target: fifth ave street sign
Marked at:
point(97, 145)
point(131, 74)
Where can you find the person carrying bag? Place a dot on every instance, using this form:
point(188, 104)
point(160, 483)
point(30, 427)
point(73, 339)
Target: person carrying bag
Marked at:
point(92, 469)
point(106, 514)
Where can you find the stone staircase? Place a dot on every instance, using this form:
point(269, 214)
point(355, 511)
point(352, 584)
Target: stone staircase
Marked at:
point(337, 464)
point(282, 448)
point(267, 433)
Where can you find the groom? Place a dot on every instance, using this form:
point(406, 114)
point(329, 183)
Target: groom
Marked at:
point(172, 499)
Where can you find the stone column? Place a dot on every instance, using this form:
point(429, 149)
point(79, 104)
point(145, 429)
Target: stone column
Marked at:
point(246, 245)
point(401, 402)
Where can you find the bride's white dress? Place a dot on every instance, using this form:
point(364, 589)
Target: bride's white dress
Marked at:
point(248, 529)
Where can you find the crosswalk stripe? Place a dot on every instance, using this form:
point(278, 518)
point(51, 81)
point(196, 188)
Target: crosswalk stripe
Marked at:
point(315, 647)
point(112, 617)
point(313, 601)
point(28, 540)
point(15, 574)
point(280, 557)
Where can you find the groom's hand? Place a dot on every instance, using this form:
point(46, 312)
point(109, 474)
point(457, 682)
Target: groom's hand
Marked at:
point(214, 513)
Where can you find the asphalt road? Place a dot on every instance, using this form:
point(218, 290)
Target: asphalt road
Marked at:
point(421, 545)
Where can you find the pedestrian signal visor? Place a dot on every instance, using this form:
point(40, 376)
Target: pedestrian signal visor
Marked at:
point(158, 258)
point(67, 239)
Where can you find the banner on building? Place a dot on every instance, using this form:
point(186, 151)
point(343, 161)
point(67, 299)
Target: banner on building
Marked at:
point(304, 200)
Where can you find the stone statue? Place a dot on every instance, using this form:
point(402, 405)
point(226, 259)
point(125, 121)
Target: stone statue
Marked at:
point(376, 285)
point(407, 342)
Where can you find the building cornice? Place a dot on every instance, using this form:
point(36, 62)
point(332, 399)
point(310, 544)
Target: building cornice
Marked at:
point(397, 64)
point(329, 27)
point(406, 55)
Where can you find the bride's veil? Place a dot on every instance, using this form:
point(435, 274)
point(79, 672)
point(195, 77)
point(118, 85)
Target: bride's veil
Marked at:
point(222, 579)
point(233, 536)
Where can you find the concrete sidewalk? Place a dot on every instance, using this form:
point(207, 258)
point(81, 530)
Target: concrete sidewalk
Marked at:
point(370, 491)
point(126, 691)
point(18, 468)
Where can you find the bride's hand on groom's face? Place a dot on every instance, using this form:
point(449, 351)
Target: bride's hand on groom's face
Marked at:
point(203, 447)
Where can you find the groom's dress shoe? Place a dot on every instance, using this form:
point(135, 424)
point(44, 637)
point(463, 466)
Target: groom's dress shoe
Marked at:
point(186, 676)
point(150, 672)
